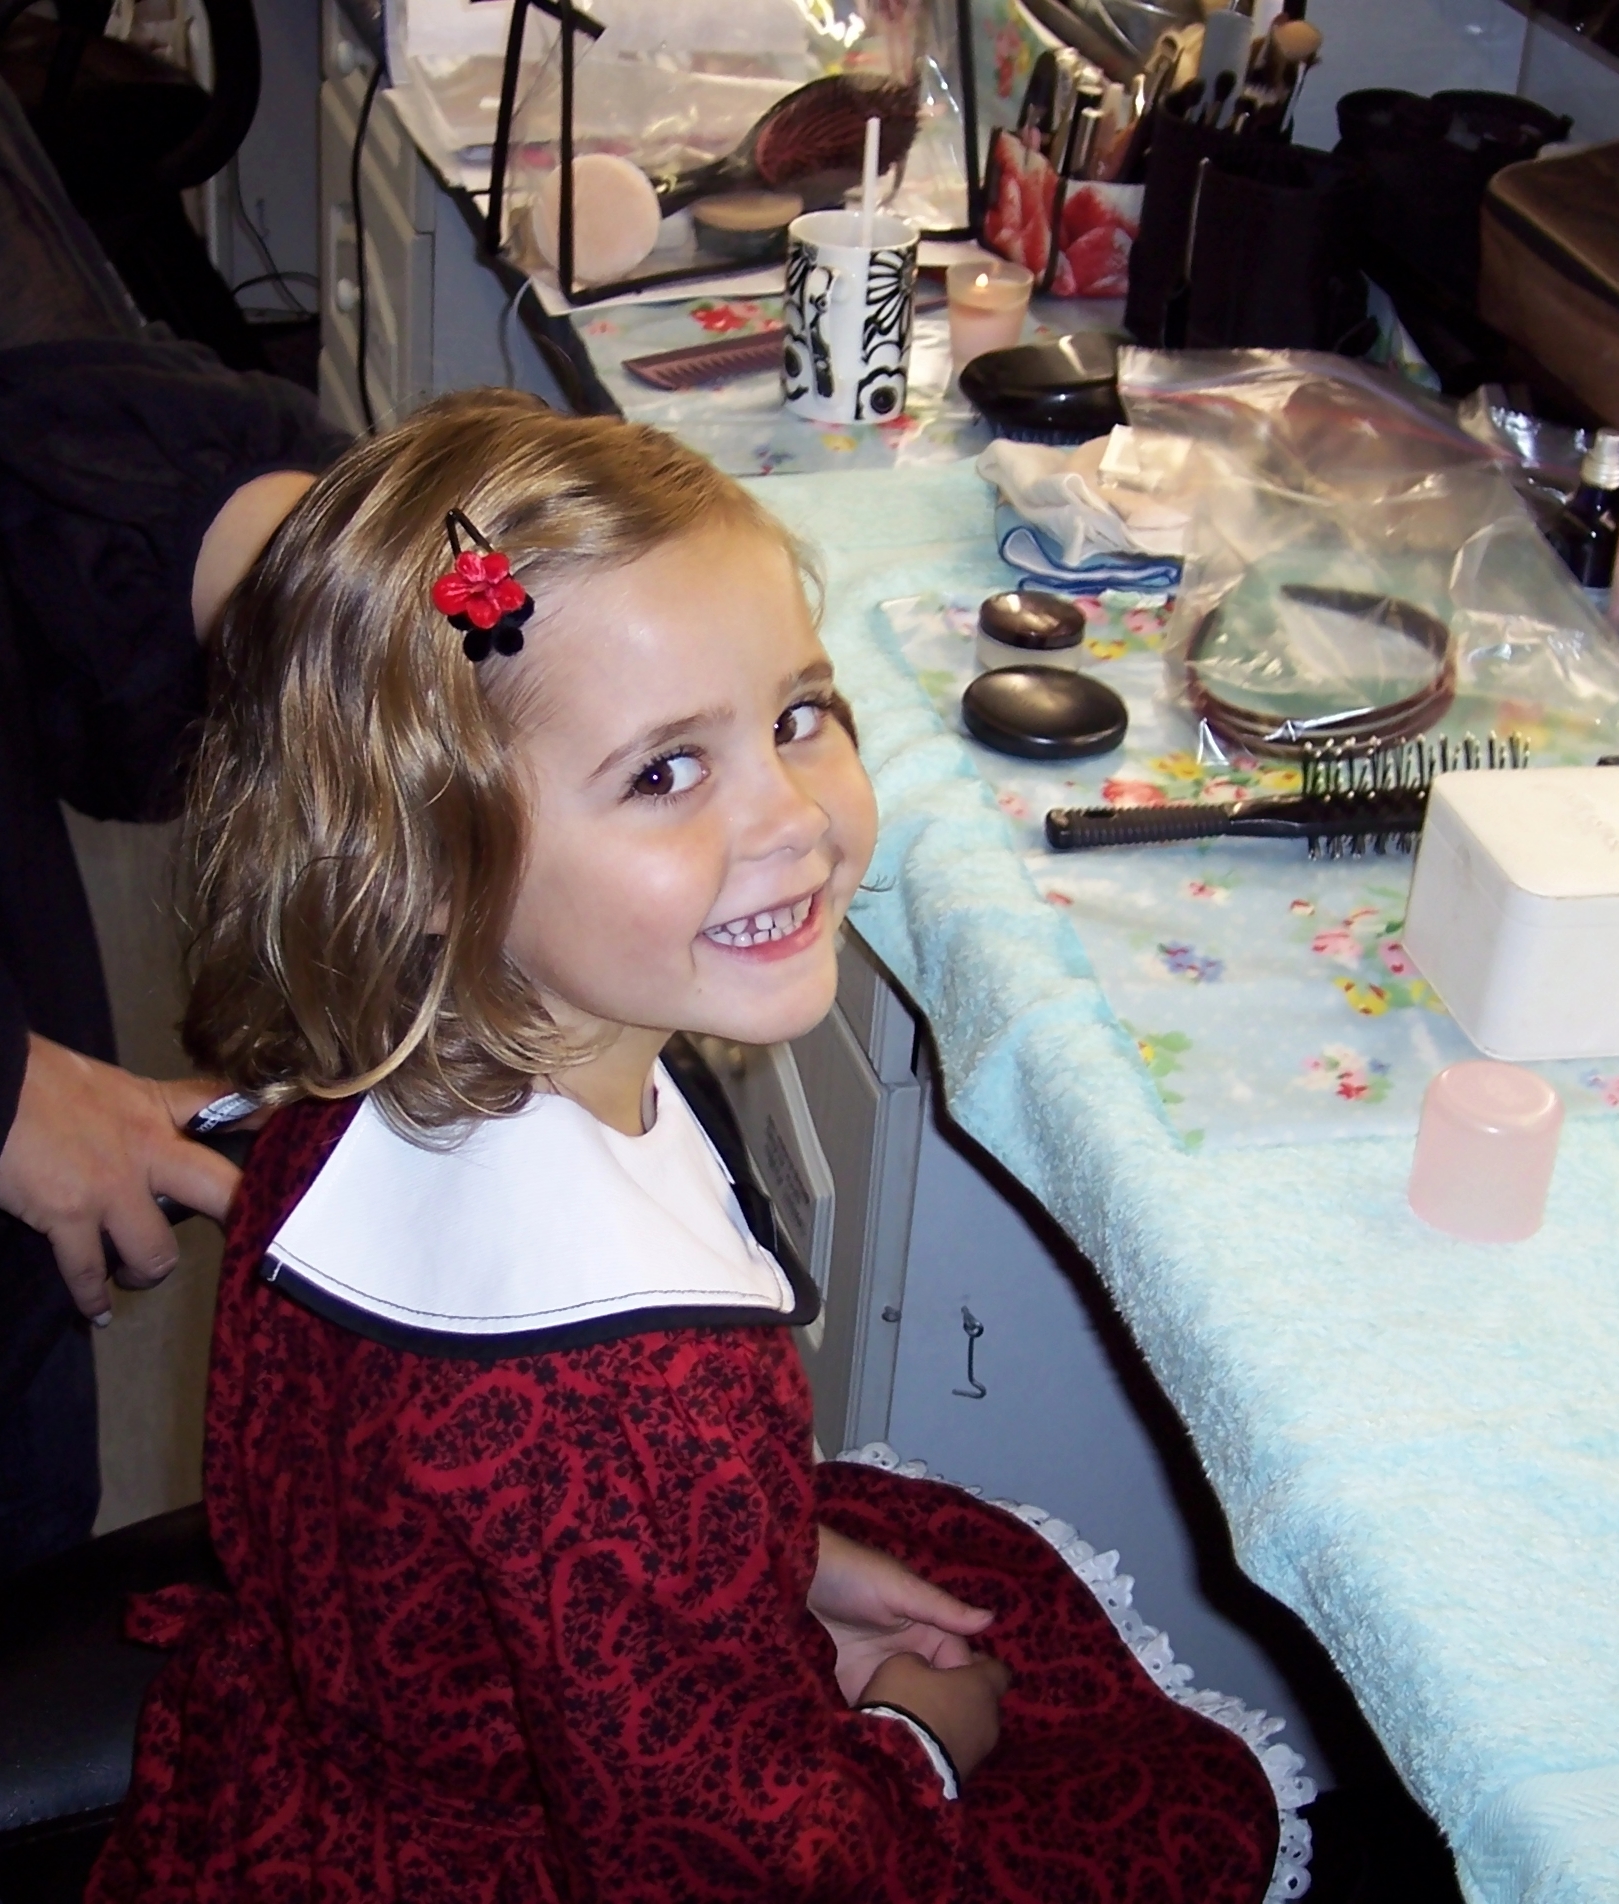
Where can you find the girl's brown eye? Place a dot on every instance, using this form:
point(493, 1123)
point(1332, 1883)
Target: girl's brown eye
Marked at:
point(662, 779)
point(803, 721)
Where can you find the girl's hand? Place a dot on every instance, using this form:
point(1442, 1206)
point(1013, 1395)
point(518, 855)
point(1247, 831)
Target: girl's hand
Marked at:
point(875, 1608)
point(959, 1705)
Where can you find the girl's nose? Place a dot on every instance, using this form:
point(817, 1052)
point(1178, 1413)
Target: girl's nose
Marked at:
point(782, 814)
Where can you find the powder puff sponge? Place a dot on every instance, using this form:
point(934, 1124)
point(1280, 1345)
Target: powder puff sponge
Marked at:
point(615, 217)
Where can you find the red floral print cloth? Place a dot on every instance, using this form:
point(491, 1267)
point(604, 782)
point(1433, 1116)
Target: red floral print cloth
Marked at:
point(536, 1631)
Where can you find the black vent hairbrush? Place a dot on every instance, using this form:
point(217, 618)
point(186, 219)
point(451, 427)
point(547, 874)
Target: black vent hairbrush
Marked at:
point(1349, 803)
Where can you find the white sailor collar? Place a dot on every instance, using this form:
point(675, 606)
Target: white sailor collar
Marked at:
point(543, 1230)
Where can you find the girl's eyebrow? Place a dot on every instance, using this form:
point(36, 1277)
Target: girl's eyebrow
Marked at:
point(817, 674)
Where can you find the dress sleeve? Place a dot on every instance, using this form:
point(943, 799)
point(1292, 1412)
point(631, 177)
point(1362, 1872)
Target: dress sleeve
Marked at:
point(115, 455)
point(643, 1528)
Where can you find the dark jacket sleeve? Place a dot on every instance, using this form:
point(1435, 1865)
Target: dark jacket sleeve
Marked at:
point(115, 455)
point(13, 1052)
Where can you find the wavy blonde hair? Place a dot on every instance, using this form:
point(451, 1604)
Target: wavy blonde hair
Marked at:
point(356, 831)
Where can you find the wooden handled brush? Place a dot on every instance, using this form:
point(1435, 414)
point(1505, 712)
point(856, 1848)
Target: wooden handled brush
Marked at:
point(817, 131)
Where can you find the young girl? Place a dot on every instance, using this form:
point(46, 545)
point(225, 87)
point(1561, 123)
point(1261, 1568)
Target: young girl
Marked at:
point(526, 755)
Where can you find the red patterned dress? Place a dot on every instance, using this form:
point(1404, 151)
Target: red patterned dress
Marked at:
point(535, 1629)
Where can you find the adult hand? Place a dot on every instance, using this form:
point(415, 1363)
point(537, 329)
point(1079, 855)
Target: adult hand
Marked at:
point(874, 1607)
point(960, 1705)
point(89, 1149)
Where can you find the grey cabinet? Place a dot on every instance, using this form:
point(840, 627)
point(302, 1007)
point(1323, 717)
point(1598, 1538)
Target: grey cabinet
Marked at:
point(436, 318)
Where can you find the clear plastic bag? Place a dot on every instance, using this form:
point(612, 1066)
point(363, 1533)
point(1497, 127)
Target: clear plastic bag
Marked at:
point(720, 99)
point(1359, 568)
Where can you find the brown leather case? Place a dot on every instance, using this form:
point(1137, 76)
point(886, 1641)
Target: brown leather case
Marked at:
point(1550, 268)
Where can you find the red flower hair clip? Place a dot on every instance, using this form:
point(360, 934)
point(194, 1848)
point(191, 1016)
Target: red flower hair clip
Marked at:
point(480, 595)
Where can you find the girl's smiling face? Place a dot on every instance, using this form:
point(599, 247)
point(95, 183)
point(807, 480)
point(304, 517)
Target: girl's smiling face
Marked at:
point(699, 819)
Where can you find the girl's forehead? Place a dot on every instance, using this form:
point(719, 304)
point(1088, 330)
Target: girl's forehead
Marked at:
point(709, 620)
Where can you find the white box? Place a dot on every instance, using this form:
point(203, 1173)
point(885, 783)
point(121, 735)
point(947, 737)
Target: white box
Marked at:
point(1514, 910)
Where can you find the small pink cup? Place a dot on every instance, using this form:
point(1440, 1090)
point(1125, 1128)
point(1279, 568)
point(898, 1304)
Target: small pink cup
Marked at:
point(1485, 1151)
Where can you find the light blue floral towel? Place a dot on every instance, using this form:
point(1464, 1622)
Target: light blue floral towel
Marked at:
point(1268, 994)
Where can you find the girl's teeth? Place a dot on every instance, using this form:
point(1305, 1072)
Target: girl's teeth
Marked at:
point(761, 927)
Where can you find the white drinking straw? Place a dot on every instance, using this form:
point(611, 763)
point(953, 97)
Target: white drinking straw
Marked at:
point(868, 182)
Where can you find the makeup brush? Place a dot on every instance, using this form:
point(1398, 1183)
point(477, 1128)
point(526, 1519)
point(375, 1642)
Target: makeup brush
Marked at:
point(1300, 74)
point(1348, 803)
point(1225, 84)
point(1227, 37)
point(820, 128)
point(1185, 100)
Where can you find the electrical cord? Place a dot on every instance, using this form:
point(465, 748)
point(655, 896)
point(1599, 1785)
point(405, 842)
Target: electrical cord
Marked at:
point(272, 272)
point(277, 277)
point(362, 378)
point(504, 334)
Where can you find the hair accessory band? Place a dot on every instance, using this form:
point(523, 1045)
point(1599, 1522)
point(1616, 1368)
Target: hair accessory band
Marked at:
point(480, 595)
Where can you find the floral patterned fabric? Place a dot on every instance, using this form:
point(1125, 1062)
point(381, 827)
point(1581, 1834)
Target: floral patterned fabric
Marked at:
point(1269, 994)
point(537, 1631)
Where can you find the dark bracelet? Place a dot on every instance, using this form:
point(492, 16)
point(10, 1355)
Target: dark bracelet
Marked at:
point(1356, 729)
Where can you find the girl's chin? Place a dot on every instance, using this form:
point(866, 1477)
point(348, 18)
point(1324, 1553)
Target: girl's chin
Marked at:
point(775, 1015)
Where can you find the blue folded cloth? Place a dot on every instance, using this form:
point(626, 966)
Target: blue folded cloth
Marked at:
point(1037, 558)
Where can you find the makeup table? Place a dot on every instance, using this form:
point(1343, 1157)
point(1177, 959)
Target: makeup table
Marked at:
point(1415, 1441)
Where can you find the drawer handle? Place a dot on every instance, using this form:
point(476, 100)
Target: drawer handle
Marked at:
point(972, 1328)
point(347, 294)
point(345, 58)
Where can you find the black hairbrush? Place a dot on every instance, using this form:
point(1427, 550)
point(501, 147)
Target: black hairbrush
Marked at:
point(1349, 803)
point(816, 133)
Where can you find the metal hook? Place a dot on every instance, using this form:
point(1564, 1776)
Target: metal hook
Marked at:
point(975, 1390)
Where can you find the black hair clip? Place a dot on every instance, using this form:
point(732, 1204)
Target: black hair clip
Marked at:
point(480, 595)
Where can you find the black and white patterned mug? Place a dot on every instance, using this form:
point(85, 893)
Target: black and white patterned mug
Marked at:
point(847, 347)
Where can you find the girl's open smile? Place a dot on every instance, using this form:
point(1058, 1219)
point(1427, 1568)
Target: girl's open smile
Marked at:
point(775, 932)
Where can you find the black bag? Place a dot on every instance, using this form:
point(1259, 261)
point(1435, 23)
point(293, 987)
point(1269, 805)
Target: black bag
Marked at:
point(1245, 243)
point(1428, 163)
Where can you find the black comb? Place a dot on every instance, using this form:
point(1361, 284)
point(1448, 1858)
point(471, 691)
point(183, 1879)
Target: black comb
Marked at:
point(1350, 802)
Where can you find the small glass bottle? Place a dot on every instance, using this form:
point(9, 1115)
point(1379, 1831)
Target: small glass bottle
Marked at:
point(1586, 534)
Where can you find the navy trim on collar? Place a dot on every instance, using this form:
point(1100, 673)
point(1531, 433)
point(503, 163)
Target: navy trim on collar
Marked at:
point(697, 1085)
point(485, 1349)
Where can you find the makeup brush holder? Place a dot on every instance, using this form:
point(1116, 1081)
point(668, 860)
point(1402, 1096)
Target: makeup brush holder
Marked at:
point(718, 103)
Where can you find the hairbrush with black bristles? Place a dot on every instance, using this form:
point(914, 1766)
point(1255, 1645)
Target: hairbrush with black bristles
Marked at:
point(1349, 803)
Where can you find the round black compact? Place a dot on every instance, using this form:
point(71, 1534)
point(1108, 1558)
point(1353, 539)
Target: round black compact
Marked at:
point(1025, 626)
point(1043, 713)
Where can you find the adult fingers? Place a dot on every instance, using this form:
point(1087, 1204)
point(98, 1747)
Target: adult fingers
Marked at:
point(184, 1097)
point(83, 1263)
point(146, 1244)
point(194, 1175)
